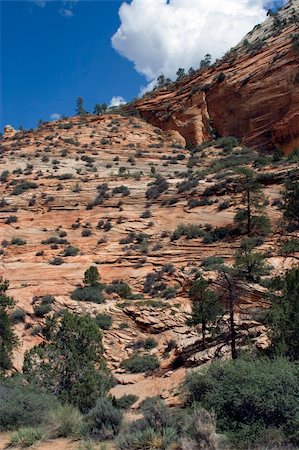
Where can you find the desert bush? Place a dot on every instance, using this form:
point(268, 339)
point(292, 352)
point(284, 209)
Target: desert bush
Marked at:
point(17, 315)
point(119, 287)
point(55, 240)
point(146, 214)
point(249, 396)
point(65, 176)
point(18, 241)
point(125, 401)
point(199, 431)
point(140, 363)
point(104, 321)
point(70, 250)
point(104, 420)
point(124, 190)
point(42, 309)
point(156, 188)
point(86, 232)
point(22, 187)
point(88, 294)
point(289, 247)
point(190, 231)
point(56, 261)
point(11, 219)
point(212, 262)
point(147, 438)
point(65, 421)
point(23, 405)
point(27, 437)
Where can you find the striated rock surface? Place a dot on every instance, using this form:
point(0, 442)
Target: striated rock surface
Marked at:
point(252, 93)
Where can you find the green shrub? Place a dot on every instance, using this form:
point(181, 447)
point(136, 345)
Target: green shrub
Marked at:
point(212, 262)
point(104, 321)
point(76, 373)
point(289, 247)
point(22, 187)
point(71, 251)
point(104, 420)
point(191, 231)
point(140, 363)
point(121, 288)
point(17, 241)
point(88, 294)
point(249, 396)
point(57, 261)
point(26, 437)
point(125, 401)
point(42, 310)
point(22, 405)
point(17, 315)
point(199, 431)
point(88, 445)
point(86, 232)
point(147, 438)
point(11, 219)
point(65, 421)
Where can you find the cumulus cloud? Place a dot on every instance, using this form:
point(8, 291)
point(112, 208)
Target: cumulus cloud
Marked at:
point(159, 36)
point(117, 101)
point(55, 116)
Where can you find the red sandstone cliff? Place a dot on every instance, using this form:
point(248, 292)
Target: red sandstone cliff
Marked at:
point(257, 101)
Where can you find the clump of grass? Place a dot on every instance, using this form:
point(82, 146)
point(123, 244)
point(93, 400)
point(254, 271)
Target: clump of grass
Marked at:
point(27, 436)
point(66, 421)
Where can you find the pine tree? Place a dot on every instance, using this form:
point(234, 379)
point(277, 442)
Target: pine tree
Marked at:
point(70, 364)
point(252, 199)
point(283, 317)
point(290, 204)
point(250, 264)
point(8, 339)
point(100, 109)
point(92, 276)
point(80, 110)
point(205, 306)
point(180, 74)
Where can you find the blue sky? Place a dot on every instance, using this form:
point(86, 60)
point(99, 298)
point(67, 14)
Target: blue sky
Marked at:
point(48, 60)
point(54, 51)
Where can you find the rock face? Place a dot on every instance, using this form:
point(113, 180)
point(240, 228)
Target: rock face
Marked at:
point(252, 93)
point(82, 184)
point(9, 131)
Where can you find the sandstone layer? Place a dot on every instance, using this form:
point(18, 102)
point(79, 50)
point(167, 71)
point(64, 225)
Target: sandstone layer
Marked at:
point(252, 93)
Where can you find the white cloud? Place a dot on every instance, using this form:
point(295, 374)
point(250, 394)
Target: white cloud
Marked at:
point(117, 101)
point(40, 3)
point(66, 12)
point(55, 116)
point(159, 36)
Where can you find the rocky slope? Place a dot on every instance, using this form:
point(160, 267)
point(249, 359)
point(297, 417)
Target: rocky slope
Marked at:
point(252, 93)
point(84, 182)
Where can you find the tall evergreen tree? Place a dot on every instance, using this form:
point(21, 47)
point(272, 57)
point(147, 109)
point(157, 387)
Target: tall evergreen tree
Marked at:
point(290, 204)
point(252, 199)
point(100, 109)
point(80, 110)
point(205, 306)
point(283, 317)
point(8, 339)
point(70, 364)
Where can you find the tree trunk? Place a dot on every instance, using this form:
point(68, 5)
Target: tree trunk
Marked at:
point(203, 331)
point(232, 325)
point(248, 213)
